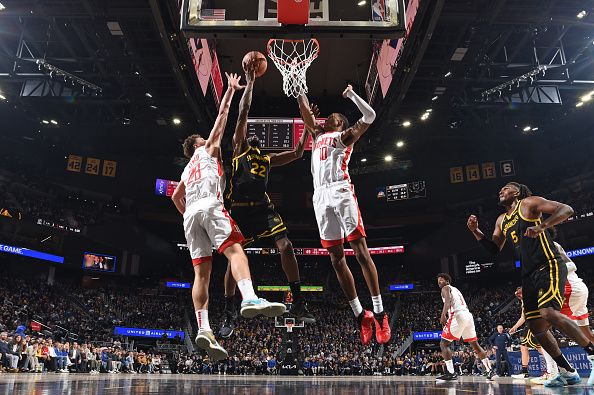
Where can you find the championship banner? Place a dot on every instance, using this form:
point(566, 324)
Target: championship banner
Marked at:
point(109, 168)
point(92, 166)
point(74, 163)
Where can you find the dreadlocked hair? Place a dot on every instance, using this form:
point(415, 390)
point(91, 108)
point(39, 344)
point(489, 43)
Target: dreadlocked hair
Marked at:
point(524, 190)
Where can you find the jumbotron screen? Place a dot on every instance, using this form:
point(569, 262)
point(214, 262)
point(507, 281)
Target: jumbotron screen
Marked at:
point(99, 262)
point(279, 134)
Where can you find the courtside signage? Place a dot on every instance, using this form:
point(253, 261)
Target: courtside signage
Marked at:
point(171, 284)
point(401, 287)
point(581, 252)
point(31, 253)
point(142, 332)
point(426, 336)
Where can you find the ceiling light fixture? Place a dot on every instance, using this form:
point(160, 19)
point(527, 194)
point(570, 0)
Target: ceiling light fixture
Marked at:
point(581, 14)
point(449, 73)
point(587, 97)
point(148, 94)
point(400, 144)
point(45, 122)
point(579, 104)
point(176, 121)
point(53, 122)
point(2, 97)
point(527, 128)
point(434, 98)
point(406, 124)
point(364, 160)
point(2, 7)
point(362, 3)
point(388, 158)
point(534, 129)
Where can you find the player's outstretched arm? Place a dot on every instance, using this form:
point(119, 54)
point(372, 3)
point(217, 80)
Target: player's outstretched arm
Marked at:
point(493, 246)
point(518, 324)
point(179, 197)
point(534, 206)
point(308, 114)
point(354, 133)
point(239, 137)
point(216, 135)
point(287, 157)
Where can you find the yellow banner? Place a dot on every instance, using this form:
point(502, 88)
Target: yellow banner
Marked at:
point(92, 166)
point(109, 168)
point(74, 163)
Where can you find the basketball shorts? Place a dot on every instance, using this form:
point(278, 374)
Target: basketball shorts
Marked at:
point(207, 224)
point(259, 223)
point(576, 301)
point(529, 340)
point(460, 325)
point(337, 214)
point(542, 288)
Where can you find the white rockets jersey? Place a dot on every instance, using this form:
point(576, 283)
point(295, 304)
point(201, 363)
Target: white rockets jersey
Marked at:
point(571, 267)
point(330, 159)
point(457, 301)
point(203, 177)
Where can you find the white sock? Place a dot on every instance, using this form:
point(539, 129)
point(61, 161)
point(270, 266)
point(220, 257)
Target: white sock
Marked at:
point(356, 307)
point(450, 366)
point(550, 362)
point(487, 364)
point(378, 306)
point(247, 289)
point(202, 319)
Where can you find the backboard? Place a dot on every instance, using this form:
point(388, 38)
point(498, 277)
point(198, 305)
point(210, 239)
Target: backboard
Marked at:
point(376, 19)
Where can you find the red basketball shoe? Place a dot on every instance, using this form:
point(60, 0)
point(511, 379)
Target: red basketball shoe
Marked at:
point(365, 325)
point(383, 333)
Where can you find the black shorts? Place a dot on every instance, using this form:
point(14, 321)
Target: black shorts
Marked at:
point(529, 340)
point(259, 223)
point(542, 288)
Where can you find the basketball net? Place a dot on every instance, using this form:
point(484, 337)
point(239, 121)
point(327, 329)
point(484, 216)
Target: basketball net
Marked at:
point(292, 58)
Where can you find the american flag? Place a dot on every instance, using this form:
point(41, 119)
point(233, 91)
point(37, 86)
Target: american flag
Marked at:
point(210, 14)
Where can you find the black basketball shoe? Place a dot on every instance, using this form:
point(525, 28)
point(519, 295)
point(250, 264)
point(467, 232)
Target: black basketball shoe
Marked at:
point(300, 311)
point(447, 376)
point(229, 324)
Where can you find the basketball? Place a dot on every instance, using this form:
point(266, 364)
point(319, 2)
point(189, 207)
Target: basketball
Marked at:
point(258, 57)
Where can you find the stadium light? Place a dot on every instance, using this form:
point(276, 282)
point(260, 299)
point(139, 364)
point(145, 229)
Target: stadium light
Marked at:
point(587, 97)
point(406, 124)
point(579, 104)
point(424, 116)
point(449, 73)
point(147, 94)
point(362, 3)
point(2, 97)
point(434, 98)
point(45, 122)
point(535, 129)
point(388, 158)
point(53, 122)
point(2, 7)
point(400, 144)
point(581, 14)
point(527, 128)
point(176, 121)
point(364, 160)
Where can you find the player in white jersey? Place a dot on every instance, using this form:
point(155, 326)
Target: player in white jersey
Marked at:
point(457, 323)
point(336, 209)
point(198, 197)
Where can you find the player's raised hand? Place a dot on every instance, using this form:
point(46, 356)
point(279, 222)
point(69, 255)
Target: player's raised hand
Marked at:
point(233, 81)
point(250, 69)
point(314, 110)
point(348, 89)
point(472, 223)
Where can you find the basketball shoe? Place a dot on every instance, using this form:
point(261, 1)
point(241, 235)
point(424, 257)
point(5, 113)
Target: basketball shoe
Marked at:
point(300, 311)
point(383, 333)
point(255, 307)
point(364, 323)
point(229, 324)
point(563, 379)
point(206, 341)
point(447, 376)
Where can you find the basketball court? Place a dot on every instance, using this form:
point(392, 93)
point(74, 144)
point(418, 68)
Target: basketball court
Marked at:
point(175, 384)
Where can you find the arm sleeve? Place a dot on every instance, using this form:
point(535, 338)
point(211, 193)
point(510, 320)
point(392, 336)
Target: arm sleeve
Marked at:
point(489, 245)
point(363, 106)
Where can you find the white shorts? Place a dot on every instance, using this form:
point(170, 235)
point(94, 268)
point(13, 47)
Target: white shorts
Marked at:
point(575, 305)
point(337, 213)
point(459, 325)
point(206, 225)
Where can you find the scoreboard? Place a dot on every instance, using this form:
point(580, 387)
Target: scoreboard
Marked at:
point(279, 134)
point(411, 190)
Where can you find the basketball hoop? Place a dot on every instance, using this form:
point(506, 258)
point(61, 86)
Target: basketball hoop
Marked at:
point(292, 58)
